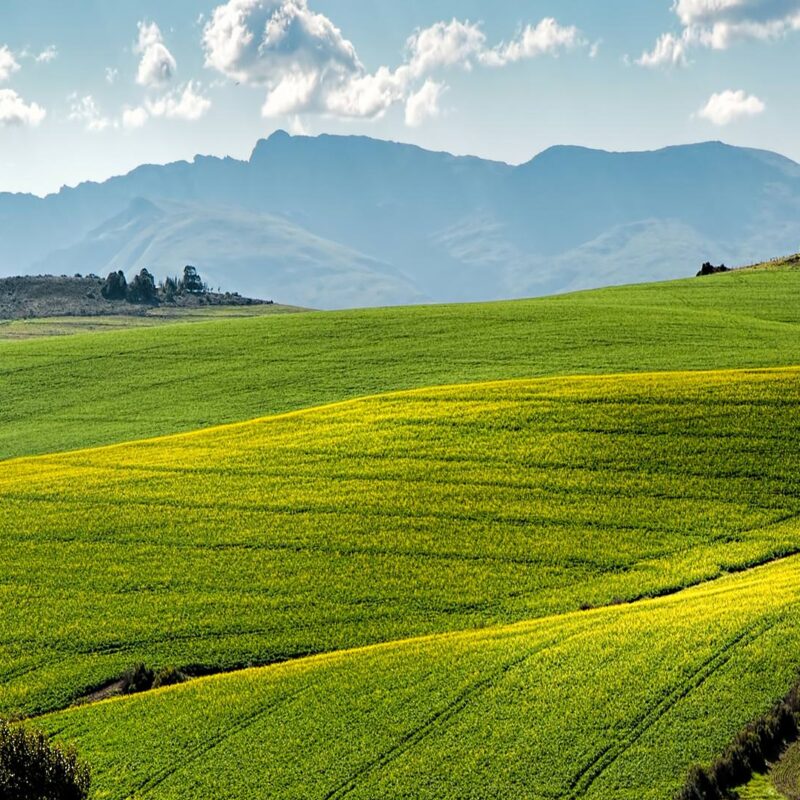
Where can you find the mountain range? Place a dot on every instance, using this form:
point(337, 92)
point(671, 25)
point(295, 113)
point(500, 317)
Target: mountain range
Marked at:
point(334, 221)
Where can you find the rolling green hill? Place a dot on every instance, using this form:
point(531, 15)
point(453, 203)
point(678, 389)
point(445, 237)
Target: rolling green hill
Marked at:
point(613, 704)
point(542, 549)
point(78, 391)
point(383, 518)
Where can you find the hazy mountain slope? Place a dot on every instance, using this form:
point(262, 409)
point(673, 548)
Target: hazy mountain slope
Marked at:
point(243, 251)
point(418, 223)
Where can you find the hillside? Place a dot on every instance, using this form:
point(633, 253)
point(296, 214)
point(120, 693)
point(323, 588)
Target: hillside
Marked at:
point(379, 519)
point(613, 704)
point(538, 549)
point(79, 391)
point(334, 222)
point(31, 297)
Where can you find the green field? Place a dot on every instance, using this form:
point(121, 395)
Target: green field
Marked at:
point(542, 549)
point(383, 518)
point(610, 704)
point(84, 390)
point(37, 327)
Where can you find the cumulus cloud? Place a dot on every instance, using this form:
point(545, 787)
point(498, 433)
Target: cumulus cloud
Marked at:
point(157, 65)
point(424, 104)
point(726, 107)
point(186, 103)
point(85, 111)
point(111, 75)
point(133, 118)
point(718, 24)
point(445, 44)
point(306, 64)
point(8, 63)
point(546, 38)
point(15, 111)
point(47, 55)
point(670, 51)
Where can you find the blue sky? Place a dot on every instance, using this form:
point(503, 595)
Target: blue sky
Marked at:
point(91, 88)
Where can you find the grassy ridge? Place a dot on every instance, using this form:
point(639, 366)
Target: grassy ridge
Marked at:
point(37, 327)
point(96, 389)
point(387, 517)
point(614, 704)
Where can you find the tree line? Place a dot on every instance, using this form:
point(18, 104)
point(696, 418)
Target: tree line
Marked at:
point(143, 289)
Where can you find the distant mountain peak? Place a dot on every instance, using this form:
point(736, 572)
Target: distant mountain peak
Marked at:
point(334, 220)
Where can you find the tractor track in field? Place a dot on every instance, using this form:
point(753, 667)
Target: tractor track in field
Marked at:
point(606, 757)
point(198, 751)
point(442, 717)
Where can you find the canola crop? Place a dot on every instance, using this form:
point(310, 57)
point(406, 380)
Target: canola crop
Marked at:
point(385, 518)
point(611, 704)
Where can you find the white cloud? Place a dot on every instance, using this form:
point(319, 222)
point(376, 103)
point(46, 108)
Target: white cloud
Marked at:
point(85, 111)
point(669, 51)
point(306, 64)
point(8, 63)
point(47, 55)
point(546, 38)
point(133, 118)
point(111, 75)
point(157, 65)
point(444, 44)
point(726, 107)
point(718, 24)
point(185, 103)
point(15, 111)
point(424, 104)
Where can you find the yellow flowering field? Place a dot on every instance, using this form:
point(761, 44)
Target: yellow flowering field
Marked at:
point(385, 518)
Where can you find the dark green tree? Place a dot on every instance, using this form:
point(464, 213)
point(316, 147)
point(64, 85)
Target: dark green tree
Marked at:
point(142, 289)
point(115, 287)
point(31, 768)
point(192, 282)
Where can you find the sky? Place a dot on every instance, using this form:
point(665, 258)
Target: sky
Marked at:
point(92, 88)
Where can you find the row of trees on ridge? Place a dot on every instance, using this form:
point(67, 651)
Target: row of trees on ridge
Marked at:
point(143, 288)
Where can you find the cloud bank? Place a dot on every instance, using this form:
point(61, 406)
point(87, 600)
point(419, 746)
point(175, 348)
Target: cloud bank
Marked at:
point(718, 24)
point(307, 65)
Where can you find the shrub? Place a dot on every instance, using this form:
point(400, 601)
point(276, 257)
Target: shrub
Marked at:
point(31, 768)
point(137, 679)
point(168, 676)
point(759, 742)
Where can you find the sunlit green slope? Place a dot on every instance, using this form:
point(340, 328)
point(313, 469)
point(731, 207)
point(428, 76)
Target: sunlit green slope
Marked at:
point(613, 704)
point(68, 392)
point(387, 517)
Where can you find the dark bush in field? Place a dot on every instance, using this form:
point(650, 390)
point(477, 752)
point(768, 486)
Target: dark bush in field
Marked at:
point(137, 679)
point(761, 741)
point(710, 269)
point(168, 676)
point(31, 768)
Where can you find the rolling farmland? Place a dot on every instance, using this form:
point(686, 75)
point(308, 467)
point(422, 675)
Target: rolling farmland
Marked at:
point(607, 704)
point(389, 517)
point(70, 392)
point(542, 549)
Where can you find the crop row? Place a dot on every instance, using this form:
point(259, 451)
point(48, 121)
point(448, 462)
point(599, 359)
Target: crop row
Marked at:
point(612, 704)
point(389, 517)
